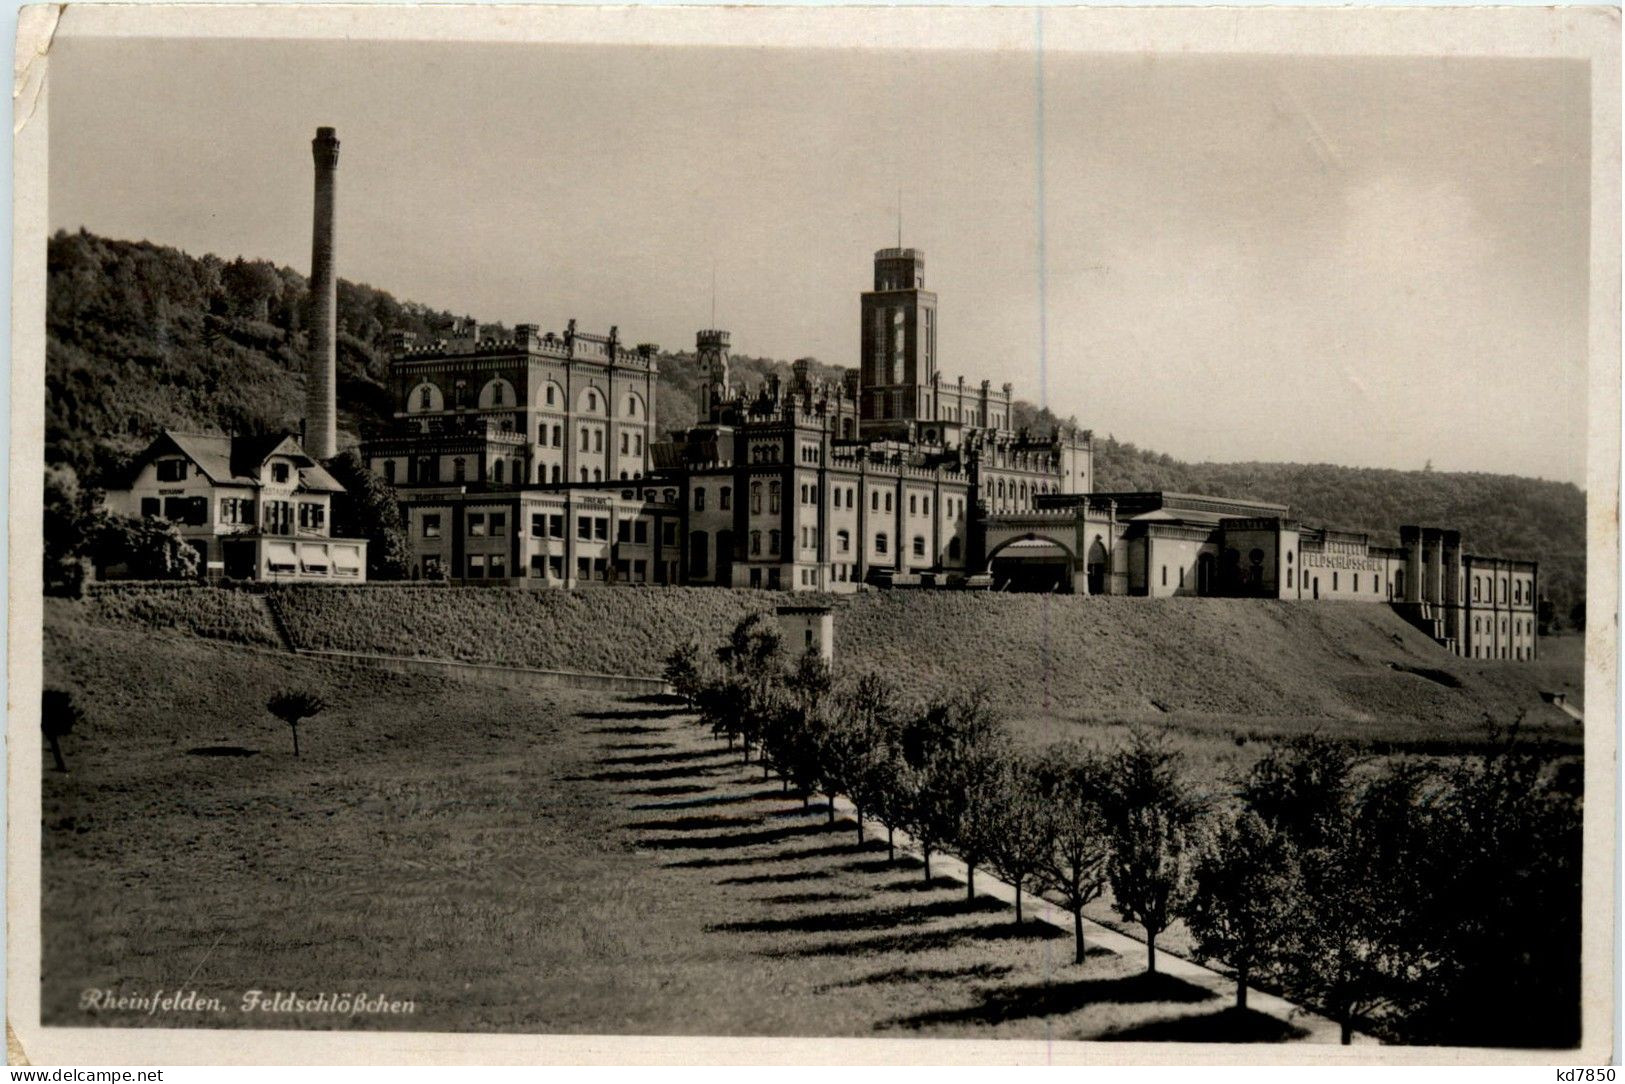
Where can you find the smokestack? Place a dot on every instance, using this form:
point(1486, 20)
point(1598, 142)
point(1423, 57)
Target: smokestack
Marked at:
point(321, 404)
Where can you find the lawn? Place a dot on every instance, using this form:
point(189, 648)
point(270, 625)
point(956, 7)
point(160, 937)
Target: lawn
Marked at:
point(507, 862)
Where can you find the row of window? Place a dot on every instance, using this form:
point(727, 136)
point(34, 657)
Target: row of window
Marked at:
point(545, 525)
point(1520, 590)
point(499, 393)
point(429, 472)
point(1520, 626)
point(174, 470)
point(278, 515)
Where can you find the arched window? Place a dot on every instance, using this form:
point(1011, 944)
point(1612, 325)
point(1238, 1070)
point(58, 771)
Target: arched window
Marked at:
point(427, 471)
point(552, 395)
point(773, 497)
point(919, 545)
point(755, 498)
point(634, 405)
point(881, 542)
point(425, 397)
point(773, 542)
point(583, 474)
point(592, 399)
point(756, 543)
point(496, 472)
point(843, 541)
point(597, 474)
point(496, 393)
point(586, 439)
point(558, 473)
point(725, 498)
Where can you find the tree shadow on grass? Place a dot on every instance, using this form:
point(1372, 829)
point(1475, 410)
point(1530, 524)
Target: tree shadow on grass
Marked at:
point(669, 699)
point(926, 940)
point(789, 877)
point(882, 865)
point(647, 775)
point(794, 898)
point(709, 800)
point(633, 713)
point(877, 918)
point(1229, 1025)
point(679, 788)
point(901, 976)
point(722, 841)
point(1001, 1003)
point(628, 730)
point(646, 759)
point(920, 884)
point(638, 746)
point(695, 823)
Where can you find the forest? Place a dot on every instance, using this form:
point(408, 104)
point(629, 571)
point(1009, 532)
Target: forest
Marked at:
point(142, 336)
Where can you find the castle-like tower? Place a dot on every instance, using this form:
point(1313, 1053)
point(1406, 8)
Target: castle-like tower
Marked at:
point(899, 338)
point(321, 404)
point(711, 348)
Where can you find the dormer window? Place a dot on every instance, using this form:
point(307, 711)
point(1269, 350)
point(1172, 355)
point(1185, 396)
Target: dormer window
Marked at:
point(279, 473)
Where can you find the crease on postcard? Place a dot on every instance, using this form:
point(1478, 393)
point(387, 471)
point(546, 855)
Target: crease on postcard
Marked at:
point(36, 30)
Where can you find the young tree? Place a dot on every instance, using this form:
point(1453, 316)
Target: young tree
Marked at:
point(1301, 788)
point(58, 716)
point(1017, 822)
point(1075, 864)
point(946, 749)
point(1359, 946)
point(1245, 899)
point(1152, 825)
point(682, 672)
point(871, 705)
point(293, 707)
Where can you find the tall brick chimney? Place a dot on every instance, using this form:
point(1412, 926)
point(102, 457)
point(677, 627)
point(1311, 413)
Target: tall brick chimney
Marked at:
point(321, 404)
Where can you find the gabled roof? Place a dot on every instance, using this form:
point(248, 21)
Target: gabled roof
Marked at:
point(237, 460)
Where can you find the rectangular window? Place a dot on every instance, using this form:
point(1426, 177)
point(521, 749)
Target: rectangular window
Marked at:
point(640, 571)
point(279, 472)
point(555, 566)
point(1165, 575)
point(600, 528)
point(623, 531)
point(1334, 581)
point(640, 532)
point(558, 438)
point(150, 506)
point(925, 506)
point(538, 525)
point(476, 567)
point(626, 442)
point(668, 534)
point(499, 566)
point(555, 526)
point(476, 525)
point(584, 527)
point(599, 568)
point(538, 564)
point(431, 526)
point(874, 501)
point(583, 568)
point(499, 524)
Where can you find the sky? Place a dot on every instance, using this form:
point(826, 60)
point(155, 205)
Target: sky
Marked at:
point(1360, 260)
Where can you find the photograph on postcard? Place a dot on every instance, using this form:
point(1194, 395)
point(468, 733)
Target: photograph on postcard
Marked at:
point(746, 538)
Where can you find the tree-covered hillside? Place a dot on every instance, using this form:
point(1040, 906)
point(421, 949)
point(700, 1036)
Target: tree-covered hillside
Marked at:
point(141, 336)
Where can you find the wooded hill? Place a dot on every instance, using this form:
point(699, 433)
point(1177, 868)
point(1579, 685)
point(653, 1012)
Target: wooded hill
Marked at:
point(142, 336)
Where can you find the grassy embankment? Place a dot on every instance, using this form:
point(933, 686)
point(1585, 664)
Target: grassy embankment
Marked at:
point(1224, 674)
point(507, 862)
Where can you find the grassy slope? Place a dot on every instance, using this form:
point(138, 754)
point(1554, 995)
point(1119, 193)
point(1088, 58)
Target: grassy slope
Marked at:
point(508, 862)
point(1239, 667)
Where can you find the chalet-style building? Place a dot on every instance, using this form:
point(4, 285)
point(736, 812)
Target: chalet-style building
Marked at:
point(255, 508)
